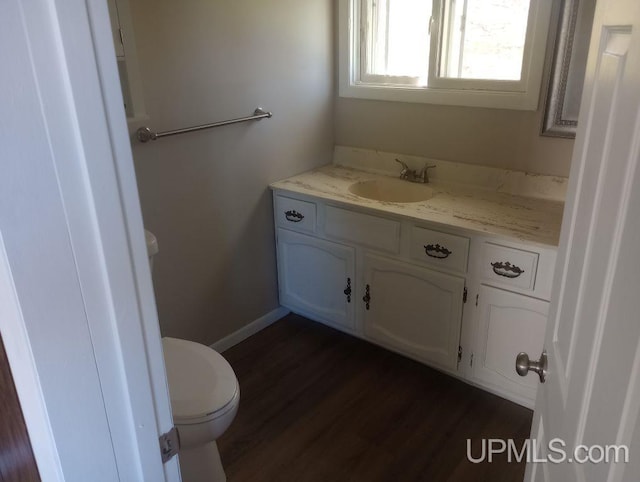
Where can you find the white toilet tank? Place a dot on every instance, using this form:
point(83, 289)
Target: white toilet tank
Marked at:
point(152, 246)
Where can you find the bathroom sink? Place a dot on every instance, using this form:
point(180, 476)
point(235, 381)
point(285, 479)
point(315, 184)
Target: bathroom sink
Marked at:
point(392, 190)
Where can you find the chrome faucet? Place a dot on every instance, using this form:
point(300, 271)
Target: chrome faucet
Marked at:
point(412, 176)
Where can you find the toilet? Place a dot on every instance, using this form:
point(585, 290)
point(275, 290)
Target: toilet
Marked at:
point(204, 394)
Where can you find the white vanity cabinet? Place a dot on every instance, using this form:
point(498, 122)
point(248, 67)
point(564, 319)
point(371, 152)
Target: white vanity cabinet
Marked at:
point(414, 310)
point(317, 278)
point(459, 301)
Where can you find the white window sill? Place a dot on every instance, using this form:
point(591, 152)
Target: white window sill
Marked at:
point(469, 98)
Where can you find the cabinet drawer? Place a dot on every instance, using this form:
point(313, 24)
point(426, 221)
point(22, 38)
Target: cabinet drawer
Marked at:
point(370, 231)
point(439, 249)
point(295, 214)
point(509, 266)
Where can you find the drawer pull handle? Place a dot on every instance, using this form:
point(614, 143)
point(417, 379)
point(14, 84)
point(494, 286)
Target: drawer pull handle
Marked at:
point(347, 290)
point(507, 269)
point(367, 297)
point(437, 251)
point(293, 216)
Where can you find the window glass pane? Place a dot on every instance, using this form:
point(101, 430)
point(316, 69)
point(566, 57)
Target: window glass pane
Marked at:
point(486, 39)
point(398, 38)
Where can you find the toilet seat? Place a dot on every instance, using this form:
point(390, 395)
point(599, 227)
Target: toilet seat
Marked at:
point(202, 384)
point(215, 416)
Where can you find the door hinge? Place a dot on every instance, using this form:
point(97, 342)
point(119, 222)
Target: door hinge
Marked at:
point(477, 296)
point(464, 295)
point(121, 36)
point(471, 360)
point(169, 444)
point(459, 354)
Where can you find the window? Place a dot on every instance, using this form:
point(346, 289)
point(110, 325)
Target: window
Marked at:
point(486, 53)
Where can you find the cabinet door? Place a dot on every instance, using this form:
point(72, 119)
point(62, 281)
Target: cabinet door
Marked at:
point(413, 310)
point(314, 275)
point(508, 323)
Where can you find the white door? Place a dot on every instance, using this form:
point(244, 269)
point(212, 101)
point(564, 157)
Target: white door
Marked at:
point(316, 278)
point(414, 310)
point(592, 393)
point(77, 313)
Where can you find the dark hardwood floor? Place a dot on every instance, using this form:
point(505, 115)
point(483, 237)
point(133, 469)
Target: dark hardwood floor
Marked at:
point(17, 463)
point(318, 405)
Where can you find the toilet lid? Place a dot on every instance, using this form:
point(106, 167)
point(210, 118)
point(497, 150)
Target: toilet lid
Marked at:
point(200, 380)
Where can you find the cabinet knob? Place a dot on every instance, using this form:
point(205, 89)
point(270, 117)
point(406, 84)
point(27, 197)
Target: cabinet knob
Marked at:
point(347, 290)
point(436, 251)
point(367, 297)
point(293, 216)
point(507, 269)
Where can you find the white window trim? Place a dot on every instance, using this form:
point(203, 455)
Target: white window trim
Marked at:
point(521, 95)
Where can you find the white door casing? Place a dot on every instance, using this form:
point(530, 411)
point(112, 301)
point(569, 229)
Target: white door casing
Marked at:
point(592, 393)
point(82, 329)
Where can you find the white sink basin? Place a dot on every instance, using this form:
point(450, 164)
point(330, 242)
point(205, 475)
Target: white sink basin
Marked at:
point(392, 190)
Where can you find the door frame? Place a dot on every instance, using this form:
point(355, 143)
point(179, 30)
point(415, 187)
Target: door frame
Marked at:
point(73, 63)
point(25, 376)
point(591, 398)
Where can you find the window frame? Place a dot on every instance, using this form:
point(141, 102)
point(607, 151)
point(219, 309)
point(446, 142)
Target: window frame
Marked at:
point(502, 94)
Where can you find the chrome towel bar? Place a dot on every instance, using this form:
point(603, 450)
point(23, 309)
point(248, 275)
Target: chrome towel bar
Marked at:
point(145, 134)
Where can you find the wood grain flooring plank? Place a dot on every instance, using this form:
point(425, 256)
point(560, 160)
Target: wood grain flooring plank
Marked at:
point(319, 405)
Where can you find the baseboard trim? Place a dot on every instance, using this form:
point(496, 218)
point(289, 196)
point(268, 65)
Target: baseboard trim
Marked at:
point(250, 329)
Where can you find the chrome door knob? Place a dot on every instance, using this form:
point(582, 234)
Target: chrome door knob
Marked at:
point(524, 365)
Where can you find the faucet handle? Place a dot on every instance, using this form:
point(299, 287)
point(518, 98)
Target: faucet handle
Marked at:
point(405, 169)
point(424, 174)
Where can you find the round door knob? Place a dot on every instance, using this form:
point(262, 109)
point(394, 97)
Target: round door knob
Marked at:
point(524, 365)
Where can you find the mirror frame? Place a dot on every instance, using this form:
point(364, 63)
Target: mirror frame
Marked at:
point(559, 98)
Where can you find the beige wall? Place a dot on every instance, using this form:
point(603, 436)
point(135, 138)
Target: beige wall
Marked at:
point(501, 138)
point(205, 194)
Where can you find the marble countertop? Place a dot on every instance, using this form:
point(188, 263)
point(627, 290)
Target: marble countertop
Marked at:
point(480, 210)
